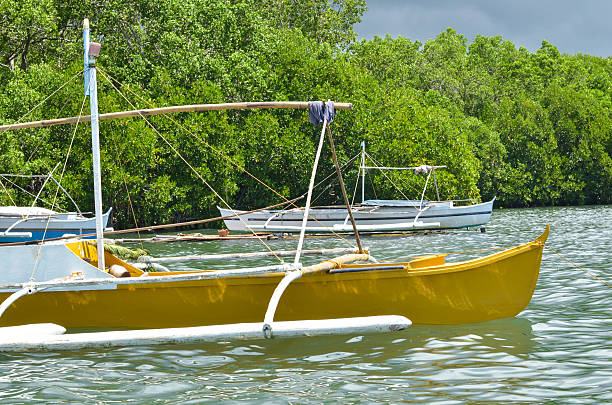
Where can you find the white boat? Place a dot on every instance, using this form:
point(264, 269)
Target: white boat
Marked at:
point(33, 223)
point(370, 215)
point(24, 224)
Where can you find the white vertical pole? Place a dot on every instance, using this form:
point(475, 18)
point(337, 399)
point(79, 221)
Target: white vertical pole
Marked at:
point(363, 172)
point(90, 72)
point(86, 55)
point(310, 187)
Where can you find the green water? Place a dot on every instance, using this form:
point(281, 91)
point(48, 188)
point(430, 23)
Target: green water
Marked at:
point(559, 350)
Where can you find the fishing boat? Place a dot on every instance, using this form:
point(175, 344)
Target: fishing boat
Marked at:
point(426, 290)
point(370, 215)
point(33, 223)
point(48, 287)
point(26, 224)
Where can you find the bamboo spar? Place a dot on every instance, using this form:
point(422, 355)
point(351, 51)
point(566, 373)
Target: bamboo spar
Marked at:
point(279, 253)
point(303, 105)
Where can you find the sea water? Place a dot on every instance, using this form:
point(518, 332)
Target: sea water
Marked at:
point(559, 350)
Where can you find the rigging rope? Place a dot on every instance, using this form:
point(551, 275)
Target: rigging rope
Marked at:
point(7, 192)
point(50, 95)
point(127, 191)
point(574, 264)
point(108, 77)
point(330, 175)
point(57, 190)
point(27, 192)
point(192, 168)
point(384, 174)
point(40, 139)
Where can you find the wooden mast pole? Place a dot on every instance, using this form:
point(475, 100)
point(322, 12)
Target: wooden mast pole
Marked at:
point(91, 89)
point(363, 169)
point(303, 105)
point(346, 201)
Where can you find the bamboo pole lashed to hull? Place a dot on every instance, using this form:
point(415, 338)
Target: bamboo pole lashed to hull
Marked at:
point(346, 201)
point(302, 105)
point(249, 255)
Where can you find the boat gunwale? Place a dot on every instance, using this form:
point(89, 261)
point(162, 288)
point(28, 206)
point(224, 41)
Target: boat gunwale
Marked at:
point(168, 280)
point(447, 268)
point(359, 208)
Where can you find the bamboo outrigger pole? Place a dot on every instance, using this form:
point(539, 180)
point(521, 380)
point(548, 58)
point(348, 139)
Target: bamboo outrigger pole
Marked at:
point(303, 105)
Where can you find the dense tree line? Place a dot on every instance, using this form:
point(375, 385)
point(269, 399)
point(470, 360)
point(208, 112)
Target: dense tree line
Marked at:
point(532, 128)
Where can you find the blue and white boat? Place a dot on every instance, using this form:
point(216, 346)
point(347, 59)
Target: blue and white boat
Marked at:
point(24, 224)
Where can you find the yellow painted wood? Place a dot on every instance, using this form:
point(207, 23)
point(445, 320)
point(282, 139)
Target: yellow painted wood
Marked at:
point(89, 252)
point(492, 287)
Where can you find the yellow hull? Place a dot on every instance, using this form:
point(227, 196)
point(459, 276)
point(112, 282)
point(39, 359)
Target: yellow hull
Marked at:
point(426, 291)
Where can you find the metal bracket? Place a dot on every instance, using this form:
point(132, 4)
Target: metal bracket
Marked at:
point(267, 331)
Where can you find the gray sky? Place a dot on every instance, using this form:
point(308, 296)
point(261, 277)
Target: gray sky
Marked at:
point(573, 26)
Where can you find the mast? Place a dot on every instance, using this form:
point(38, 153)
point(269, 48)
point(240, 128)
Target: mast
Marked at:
point(363, 171)
point(90, 52)
point(346, 201)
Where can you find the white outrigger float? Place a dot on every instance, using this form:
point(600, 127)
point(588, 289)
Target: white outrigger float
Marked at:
point(370, 215)
point(49, 288)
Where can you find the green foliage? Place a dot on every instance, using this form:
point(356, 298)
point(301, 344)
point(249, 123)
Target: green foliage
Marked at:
point(530, 128)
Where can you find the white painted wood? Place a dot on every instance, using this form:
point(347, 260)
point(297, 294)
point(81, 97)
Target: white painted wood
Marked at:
point(296, 262)
point(30, 330)
point(241, 331)
point(290, 276)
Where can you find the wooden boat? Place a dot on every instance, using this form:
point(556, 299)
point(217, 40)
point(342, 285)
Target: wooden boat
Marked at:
point(369, 215)
point(26, 224)
point(33, 223)
point(426, 290)
point(73, 285)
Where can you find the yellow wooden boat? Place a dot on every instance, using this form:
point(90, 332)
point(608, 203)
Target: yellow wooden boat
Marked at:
point(426, 290)
point(69, 284)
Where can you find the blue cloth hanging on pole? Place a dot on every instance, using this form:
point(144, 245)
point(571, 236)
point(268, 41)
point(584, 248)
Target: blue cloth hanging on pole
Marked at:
point(318, 111)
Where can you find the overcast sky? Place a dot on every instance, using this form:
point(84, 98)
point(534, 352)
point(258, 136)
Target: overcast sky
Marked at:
point(573, 26)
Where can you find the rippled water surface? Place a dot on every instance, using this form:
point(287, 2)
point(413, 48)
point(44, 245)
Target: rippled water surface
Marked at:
point(559, 350)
